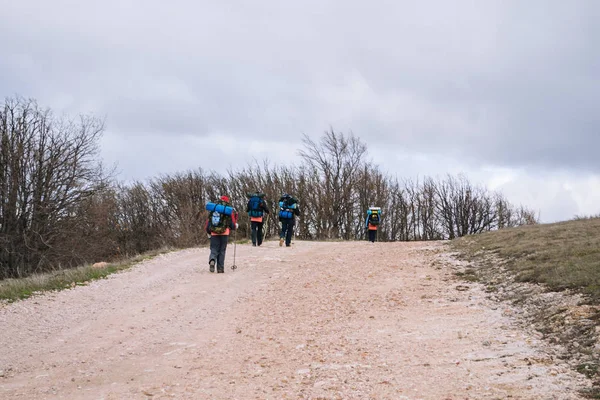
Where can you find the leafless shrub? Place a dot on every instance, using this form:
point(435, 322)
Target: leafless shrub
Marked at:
point(60, 208)
point(48, 169)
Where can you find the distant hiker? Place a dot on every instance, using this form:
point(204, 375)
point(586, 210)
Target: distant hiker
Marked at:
point(257, 208)
point(288, 209)
point(222, 219)
point(372, 222)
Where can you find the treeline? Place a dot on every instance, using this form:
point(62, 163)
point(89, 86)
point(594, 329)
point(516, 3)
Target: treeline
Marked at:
point(59, 208)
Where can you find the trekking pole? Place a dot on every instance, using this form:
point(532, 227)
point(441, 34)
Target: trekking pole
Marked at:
point(234, 266)
point(265, 227)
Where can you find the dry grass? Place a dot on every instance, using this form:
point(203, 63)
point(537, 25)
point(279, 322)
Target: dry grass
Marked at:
point(561, 255)
point(17, 289)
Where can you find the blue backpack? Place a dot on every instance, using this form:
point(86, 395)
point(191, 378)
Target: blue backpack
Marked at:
point(287, 205)
point(255, 206)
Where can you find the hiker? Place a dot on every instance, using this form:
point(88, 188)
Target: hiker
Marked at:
point(222, 219)
point(288, 210)
point(256, 209)
point(372, 222)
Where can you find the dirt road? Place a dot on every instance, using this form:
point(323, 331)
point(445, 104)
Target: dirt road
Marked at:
point(348, 320)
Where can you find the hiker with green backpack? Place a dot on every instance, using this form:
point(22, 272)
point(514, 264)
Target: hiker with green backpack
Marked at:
point(372, 222)
point(256, 209)
point(222, 219)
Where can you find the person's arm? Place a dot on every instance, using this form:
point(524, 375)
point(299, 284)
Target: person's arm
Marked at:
point(233, 221)
point(207, 227)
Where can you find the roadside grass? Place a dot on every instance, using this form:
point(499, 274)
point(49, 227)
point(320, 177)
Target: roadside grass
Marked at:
point(559, 256)
point(17, 289)
point(564, 255)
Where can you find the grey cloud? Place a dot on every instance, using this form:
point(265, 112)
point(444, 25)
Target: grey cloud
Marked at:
point(508, 83)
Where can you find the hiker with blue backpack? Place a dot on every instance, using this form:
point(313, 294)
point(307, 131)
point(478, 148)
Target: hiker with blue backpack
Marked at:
point(288, 210)
point(222, 219)
point(372, 222)
point(256, 209)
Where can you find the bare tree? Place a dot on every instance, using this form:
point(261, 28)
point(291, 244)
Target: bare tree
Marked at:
point(338, 160)
point(48, 168)
point(59, 207)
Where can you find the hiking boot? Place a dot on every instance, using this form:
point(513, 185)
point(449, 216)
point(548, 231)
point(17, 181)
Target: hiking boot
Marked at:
point(211, 266)
point(280, 242)
point(220, 270)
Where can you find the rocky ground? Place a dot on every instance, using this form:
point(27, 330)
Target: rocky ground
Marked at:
point(566, 321)
point(337, 320)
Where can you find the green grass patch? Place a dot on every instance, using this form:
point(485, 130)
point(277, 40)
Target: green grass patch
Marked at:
point(588, 369)
point(564, 255)
point(592, 393)
point(16, 289)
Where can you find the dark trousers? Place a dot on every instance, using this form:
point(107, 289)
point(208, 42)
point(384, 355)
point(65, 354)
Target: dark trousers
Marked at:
point(287, 230)
point(372, 235)
point(257, 232)
point(218, 247)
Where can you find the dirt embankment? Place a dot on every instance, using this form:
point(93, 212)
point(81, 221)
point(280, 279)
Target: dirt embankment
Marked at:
point(350, 320)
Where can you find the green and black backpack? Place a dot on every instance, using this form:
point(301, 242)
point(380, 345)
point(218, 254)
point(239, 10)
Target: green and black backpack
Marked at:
point(218, 219)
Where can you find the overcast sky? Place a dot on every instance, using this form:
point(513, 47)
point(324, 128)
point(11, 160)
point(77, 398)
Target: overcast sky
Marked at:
point(505, 91)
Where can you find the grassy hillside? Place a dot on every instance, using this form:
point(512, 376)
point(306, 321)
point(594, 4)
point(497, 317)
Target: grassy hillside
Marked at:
point(561, 255)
